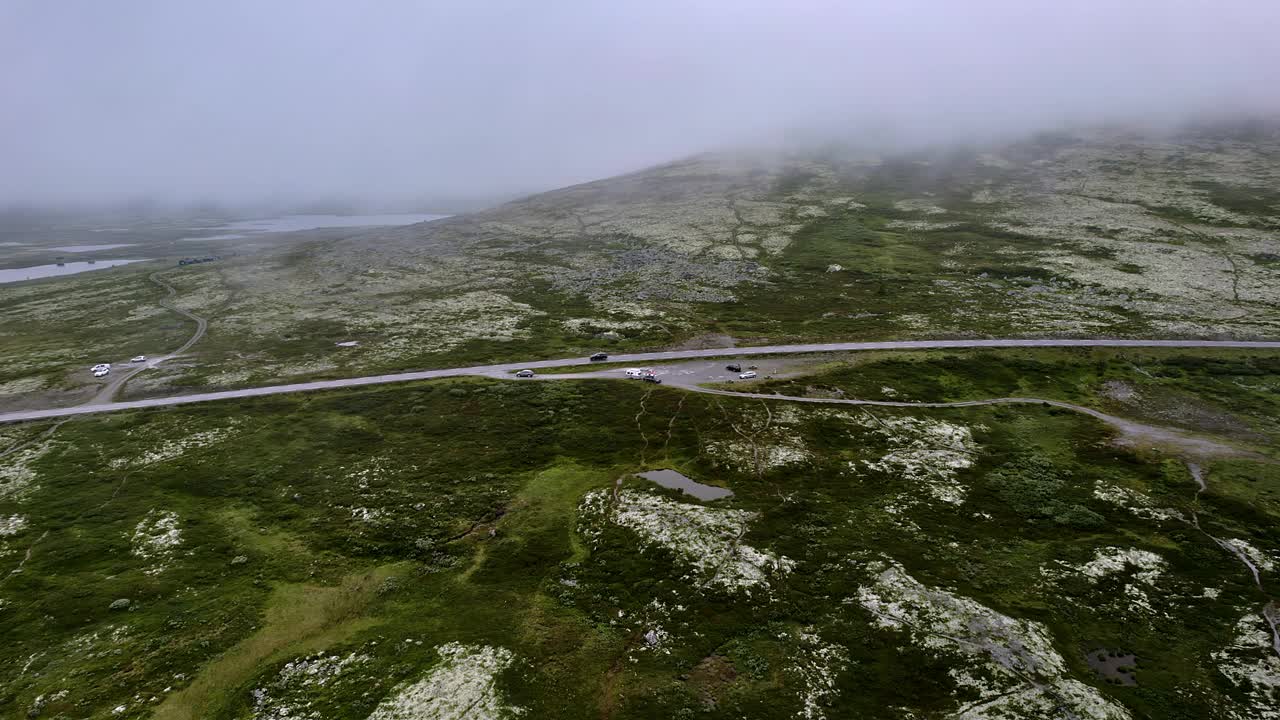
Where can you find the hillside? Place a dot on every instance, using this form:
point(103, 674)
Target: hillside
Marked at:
point(1082, 533)
point(1107, 232)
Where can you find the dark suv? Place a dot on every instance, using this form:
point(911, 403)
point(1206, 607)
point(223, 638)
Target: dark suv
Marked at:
point(599, 356)
point(652, 379)
point(733, 368)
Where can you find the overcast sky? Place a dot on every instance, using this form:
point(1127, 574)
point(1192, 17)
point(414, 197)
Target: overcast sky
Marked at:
point(242, 101)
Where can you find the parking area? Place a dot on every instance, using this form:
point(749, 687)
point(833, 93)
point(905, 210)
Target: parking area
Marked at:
point(700, 372)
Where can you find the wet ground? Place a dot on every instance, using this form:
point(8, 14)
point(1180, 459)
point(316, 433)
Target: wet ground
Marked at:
point(1113, 666)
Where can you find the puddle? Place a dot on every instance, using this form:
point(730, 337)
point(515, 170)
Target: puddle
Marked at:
point(1116, 668)
point(675, 481)
point(36, 272)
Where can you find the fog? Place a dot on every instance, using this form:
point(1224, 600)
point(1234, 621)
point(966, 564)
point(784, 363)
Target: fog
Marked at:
point(412, 103)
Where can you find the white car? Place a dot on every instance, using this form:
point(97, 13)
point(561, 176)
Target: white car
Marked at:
point(101, 366)
point(100, 372)
point(747, 375)
point(635, 372)
point(139, 358)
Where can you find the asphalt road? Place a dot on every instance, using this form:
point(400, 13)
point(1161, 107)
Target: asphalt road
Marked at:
point(504, 369)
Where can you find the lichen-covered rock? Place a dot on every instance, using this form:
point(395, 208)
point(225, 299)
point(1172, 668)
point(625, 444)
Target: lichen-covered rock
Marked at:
point(156, 538)
point(462, 687)
point(12, 525)
point(1010, 664)
point(1252, 663)
point(708, 539)
point(926, 451)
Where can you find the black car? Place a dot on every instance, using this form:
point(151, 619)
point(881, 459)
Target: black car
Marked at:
point(652, 378)
point(599, 356)
point(733, 368)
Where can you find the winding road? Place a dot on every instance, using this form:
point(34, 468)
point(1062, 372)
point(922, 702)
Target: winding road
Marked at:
point(108, 391)
point(504, 370)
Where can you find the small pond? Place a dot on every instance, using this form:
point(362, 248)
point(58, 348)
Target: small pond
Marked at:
point(675, 481)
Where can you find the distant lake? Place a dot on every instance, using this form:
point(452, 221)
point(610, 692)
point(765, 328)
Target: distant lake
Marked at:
point(294, 223)
point(36, 272)
point(91, 248)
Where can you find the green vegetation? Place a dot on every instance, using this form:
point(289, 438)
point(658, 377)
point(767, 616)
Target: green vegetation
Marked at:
point(297, 620)
point(375, 553)
point(352, 536)
point(1033, 487)
point(1231, 394)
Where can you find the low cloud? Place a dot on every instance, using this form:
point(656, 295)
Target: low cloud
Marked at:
point(404, 102)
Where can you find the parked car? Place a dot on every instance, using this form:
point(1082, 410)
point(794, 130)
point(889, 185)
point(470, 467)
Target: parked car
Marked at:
point(599, 356)
point(100, 372)
point(638, 372)
point(101, 366)
point(139, 358)
point(733, 368)
point(747, 375)
point(652, 379)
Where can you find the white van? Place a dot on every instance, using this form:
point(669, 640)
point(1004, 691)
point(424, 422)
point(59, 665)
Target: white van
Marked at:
point(635, 372)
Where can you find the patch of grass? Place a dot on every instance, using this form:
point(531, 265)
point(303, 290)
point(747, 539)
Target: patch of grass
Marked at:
point(297, 619)
point(1245, 199)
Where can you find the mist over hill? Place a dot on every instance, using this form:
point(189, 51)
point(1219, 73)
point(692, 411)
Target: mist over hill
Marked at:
point(244, 103)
